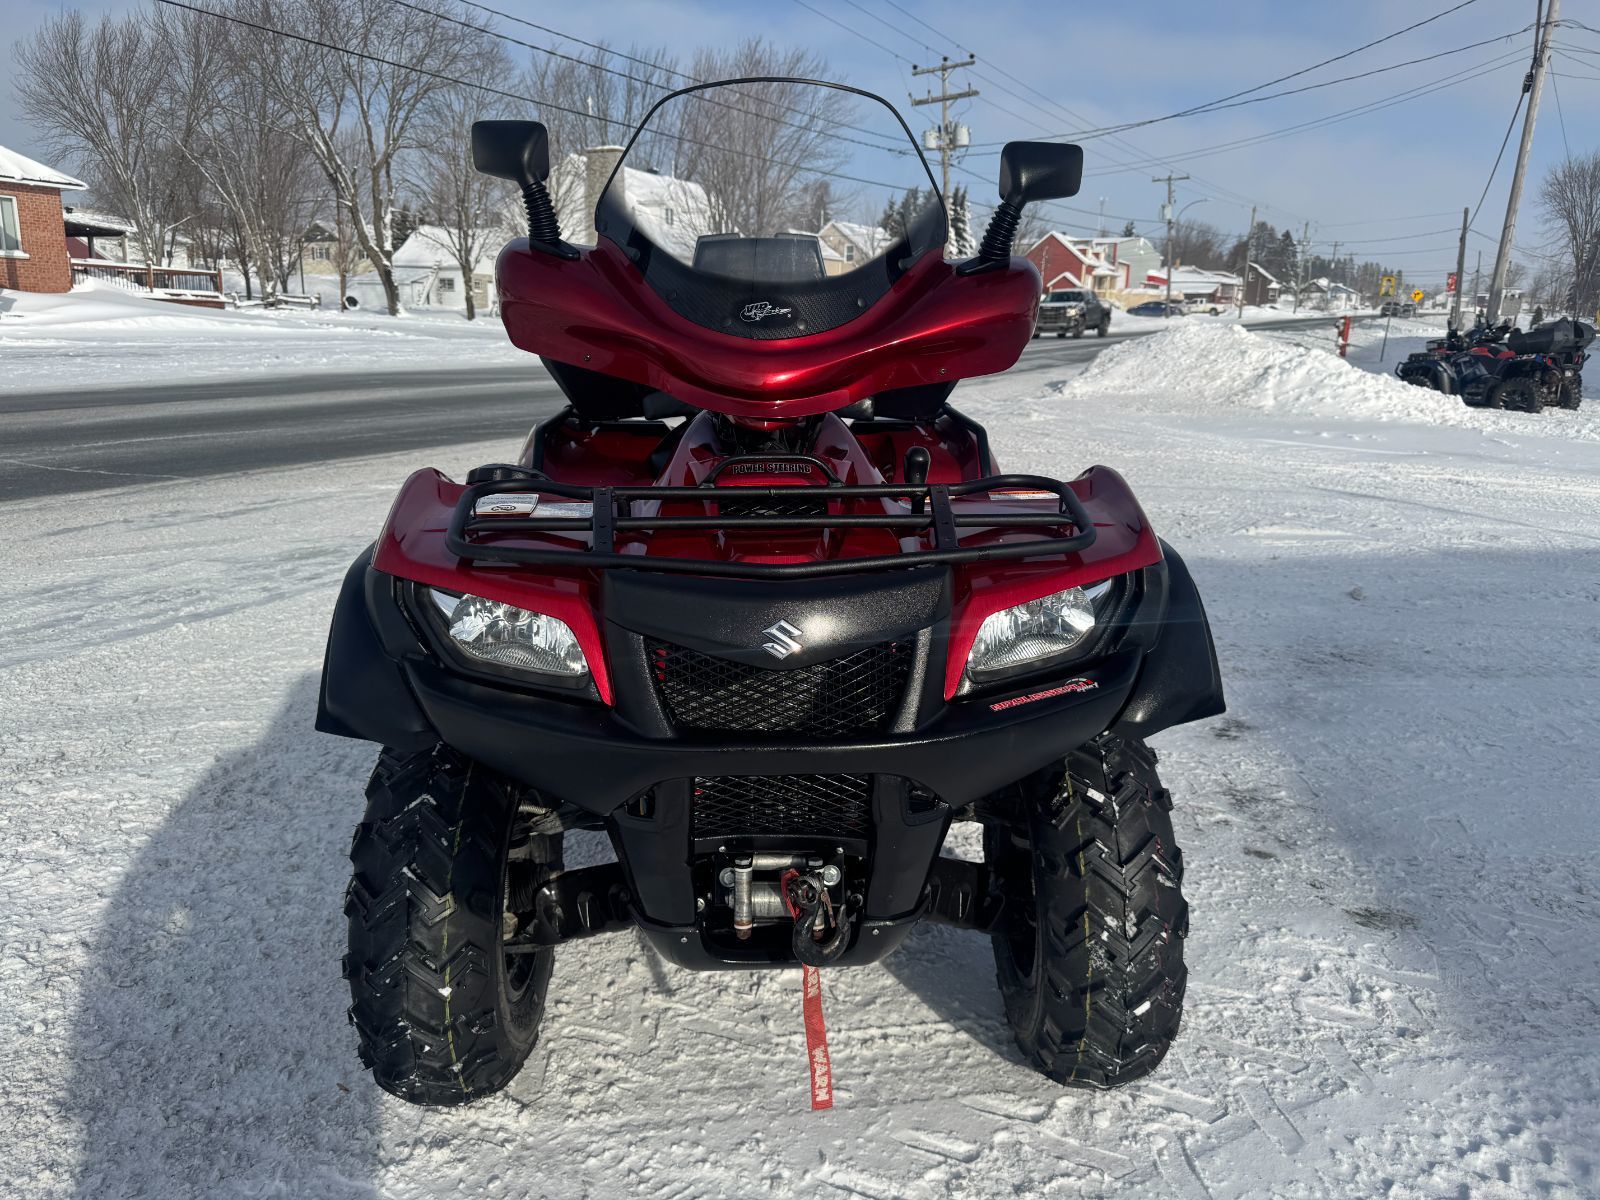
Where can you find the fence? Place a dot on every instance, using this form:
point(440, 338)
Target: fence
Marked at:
point(177, 285)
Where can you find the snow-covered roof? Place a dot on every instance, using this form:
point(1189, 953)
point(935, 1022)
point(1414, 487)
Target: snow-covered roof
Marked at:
point(19, 168)
point(431, 245)
point(673, 213)
point(871, 240)
point(1198, 276)
point(1263, 272)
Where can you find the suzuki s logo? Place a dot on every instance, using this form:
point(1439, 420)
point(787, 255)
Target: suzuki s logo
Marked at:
point(761, 310)
point(785, 640)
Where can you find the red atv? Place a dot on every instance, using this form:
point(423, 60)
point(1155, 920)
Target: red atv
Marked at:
point(760, 605)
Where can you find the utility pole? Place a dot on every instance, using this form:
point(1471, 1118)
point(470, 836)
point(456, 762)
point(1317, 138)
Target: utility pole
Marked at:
point(1477, 272)
point(1169, 181)
point(1249, 253)
point(947, 137)
point(1533, 86)
point(1300, 264)
point(1461, 271)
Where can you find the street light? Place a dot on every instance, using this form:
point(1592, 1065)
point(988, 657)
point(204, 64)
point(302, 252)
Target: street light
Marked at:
point(1172, 222)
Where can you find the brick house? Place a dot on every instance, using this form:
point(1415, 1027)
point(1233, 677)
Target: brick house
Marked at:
point(33, 235)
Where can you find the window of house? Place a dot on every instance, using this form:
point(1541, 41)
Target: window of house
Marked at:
point(10, 230)
point(321, 251)
point(447, 283)
point(666, 216)
point(849, 252)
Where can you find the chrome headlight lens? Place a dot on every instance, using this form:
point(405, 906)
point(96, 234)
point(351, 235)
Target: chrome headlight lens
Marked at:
point(511, 637)
point(1031, 635)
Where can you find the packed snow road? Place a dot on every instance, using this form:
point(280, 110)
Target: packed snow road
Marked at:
point(1390, 843)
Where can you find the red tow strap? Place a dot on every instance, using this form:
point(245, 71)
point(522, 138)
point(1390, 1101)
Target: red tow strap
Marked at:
point(816, 1027)
point(817, 1041)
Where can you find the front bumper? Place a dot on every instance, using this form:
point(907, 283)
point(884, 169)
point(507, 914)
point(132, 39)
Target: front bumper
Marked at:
point(627, 769)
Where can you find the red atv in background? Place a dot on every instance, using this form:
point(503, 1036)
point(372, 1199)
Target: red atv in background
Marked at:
point(760, 605)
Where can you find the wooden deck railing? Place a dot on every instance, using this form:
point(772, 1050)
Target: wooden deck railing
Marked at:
point(184, 285)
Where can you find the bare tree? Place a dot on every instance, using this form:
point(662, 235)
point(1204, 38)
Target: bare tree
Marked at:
point(239, 144)
point(1570, 199)
point(602, 103)
point(1198, 244)
point(756, 148)
point(104, 104)
point(389, 64)
point(461, 206)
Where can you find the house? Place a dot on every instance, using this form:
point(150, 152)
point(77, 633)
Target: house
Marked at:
point(846, 244)
point(1135, 255)
point(429, 250)
point(1261, 286)
point(1065, 262)
point(33, 233)
point(673, 213)
point(1197, 286)
point(1323, 293)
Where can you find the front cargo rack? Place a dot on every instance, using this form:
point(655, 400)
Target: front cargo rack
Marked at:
point(611, 513)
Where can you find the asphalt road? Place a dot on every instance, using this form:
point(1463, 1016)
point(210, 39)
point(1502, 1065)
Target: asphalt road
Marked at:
point(62, 443)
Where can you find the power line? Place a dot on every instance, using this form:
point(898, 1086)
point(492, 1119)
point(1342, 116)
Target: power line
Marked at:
point(1454, 79)
point(1217, 106)
point(650, 83)
point(1494, 170)
point(483, 87)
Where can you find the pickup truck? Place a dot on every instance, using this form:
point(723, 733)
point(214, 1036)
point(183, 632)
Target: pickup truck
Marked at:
point(1072, 310)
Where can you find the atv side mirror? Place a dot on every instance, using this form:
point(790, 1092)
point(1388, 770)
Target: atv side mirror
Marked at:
point(520, 151)
point(1035, 171)
point(514, 150)
point(1029, 172)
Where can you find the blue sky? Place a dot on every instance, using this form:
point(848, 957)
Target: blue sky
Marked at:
point(1366, 181)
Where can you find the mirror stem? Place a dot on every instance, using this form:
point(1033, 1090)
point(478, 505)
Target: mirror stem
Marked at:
point(543, 224)
point(1001, 233)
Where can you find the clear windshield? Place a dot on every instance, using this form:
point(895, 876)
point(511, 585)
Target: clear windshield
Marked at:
point(771, 208)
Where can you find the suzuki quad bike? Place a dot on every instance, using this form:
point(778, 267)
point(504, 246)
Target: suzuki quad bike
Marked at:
point(759, 604)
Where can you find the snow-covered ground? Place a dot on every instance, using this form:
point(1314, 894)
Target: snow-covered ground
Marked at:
point(1390, 839)
point(99, 335)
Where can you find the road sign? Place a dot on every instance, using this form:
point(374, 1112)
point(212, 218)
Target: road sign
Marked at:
point(1418, 295)
point(1386, 286)
point(1450, 282)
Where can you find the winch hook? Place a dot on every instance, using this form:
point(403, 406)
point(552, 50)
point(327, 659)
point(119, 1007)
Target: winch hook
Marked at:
point(810, 905)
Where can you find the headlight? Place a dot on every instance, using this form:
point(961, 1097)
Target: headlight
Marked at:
point(1030, 635)
point(511, 637)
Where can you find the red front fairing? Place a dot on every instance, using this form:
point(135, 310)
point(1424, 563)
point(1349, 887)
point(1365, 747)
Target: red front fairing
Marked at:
point(935, 326)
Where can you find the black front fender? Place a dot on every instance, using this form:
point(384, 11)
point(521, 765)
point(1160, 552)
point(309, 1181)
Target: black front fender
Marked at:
point(364, 694)
point(1179, 680)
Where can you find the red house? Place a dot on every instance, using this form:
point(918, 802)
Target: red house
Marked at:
point(33, 236)
point(1064, 263)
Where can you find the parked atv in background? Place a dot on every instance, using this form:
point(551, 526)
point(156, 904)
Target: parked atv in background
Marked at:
point(1503, 367)
point(1070, 311)
point(760, 605)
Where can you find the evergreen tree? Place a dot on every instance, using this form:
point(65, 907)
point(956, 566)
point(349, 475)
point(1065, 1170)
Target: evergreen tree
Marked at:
point(1128, 230)
point(1288, 259)
point(961, 241)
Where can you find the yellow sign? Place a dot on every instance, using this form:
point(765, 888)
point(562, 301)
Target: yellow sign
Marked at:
point(1386, 286)
point(1418, 295)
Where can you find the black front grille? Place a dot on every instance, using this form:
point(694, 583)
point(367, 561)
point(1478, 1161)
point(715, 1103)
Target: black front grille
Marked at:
point(750, 805)
point(843, 697)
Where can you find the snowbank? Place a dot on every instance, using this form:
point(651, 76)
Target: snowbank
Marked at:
point(99, 334)
point(1226, 366)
